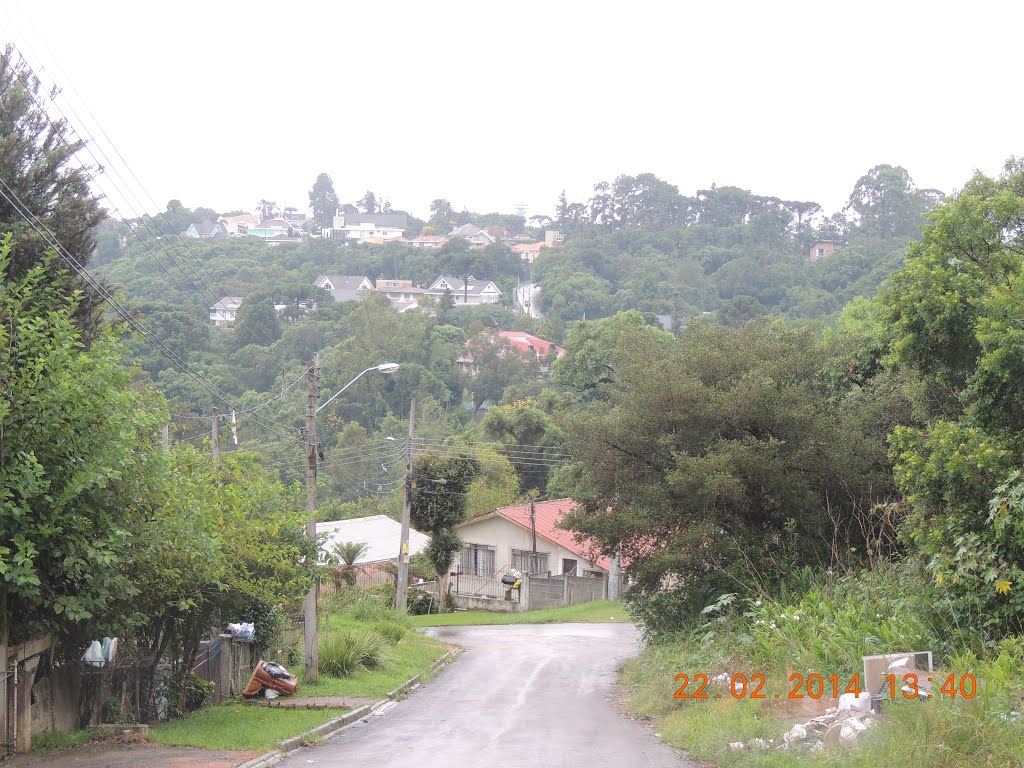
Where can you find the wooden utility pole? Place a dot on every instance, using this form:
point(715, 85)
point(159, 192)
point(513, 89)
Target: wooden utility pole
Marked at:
point(4, 710)
point(402, 591)
point(309, 611)
point(533, 525)
point(215, 421)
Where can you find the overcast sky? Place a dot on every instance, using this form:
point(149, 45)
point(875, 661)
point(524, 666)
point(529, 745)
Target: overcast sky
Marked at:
point(493, 103)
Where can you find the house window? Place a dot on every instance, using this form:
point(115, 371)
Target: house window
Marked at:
point(477, 560)
point(529, 562)
point(569, 565)
point(594, 574)
point(821, 252)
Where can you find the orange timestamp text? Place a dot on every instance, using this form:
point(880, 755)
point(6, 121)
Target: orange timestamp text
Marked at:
point(815, 686)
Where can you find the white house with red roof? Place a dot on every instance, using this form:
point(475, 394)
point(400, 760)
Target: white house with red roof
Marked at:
point(497, 541)
point(528, 344)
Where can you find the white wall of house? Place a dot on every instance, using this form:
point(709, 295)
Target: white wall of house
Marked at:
point(363, 231)
point(506, 536)
point(222, 317)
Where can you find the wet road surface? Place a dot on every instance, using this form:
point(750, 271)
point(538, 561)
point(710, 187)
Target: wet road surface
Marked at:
point(520, 696)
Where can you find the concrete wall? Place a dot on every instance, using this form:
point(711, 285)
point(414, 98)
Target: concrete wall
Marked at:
point(55, 698)
point(560, 591)
point(546, 593)
point(469, 603)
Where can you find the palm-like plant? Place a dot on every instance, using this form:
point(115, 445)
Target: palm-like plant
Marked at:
point(349, 552)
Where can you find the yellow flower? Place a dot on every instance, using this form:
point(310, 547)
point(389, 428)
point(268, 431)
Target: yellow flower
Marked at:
point(1003, 586)
point(939, 578)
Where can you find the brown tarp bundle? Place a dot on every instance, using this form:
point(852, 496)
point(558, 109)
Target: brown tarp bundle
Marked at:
point(262, 679)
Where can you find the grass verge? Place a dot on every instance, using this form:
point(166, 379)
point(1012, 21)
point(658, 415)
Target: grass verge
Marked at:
point(598, 611)
point(56, 740)
point(825, 631)
point(412, 655)
point(239, 727)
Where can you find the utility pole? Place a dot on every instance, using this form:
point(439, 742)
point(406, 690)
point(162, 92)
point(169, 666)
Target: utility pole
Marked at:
point(402, 591)
point(309, 612)
point(533, 525)
point(234, 428)
point(216, 433)
point(165, 438)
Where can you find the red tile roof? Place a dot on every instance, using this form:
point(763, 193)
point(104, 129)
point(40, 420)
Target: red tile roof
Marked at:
point(526, 342)
point(547, 515)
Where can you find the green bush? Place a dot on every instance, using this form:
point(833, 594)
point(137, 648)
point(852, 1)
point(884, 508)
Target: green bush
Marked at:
point(391, 630)
point(342, 653)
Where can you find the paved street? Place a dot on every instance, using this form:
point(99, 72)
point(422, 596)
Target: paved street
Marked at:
point(520, 696)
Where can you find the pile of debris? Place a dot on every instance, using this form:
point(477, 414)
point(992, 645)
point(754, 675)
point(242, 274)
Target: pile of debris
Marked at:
point(838, 725)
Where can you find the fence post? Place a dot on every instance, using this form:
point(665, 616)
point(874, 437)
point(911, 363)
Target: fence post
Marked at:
point(565, 589)
point(24, 705)
point(224, 687)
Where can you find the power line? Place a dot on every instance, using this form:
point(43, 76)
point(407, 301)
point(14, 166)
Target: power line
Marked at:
point(50, 239)
point(194, 277)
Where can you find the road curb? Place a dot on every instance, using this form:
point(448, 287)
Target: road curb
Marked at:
point(331, 727)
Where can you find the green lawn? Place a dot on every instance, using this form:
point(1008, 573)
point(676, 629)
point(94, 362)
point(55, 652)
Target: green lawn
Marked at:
point(601, 610)
point(240, 726)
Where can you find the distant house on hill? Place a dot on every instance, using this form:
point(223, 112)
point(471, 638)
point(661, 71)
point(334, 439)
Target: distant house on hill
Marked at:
point(207, 230)
point(469, 292)
point(473, 234)
point(224, 311)
point(499, 233)
point(402, 293)
point(239, 225)
point(276, 231)
point(360, 227)
point(345, 287)
point(526, 345)
point(528, 251)
point(427, 241)
point(822, 249)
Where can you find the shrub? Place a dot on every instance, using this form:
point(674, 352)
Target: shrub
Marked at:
point(343, 653)
point(391, 630)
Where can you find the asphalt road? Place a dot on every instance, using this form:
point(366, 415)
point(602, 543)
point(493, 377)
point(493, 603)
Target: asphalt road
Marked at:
point(520, 696)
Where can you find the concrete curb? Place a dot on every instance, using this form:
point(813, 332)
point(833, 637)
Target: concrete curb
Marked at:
point(338, 724)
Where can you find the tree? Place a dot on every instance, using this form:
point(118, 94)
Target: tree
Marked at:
point(439, 504)
point(495, 365)
point(953, 314)
point(76, 443)
point(562, 209)
point(369, 203)
point(266, 209)
point(533, 439)
point(441, 214)
point(324, 201)
point(349, 553)
point(714, 453)
point(36, 154)
point(257, 322)
point(886, 203)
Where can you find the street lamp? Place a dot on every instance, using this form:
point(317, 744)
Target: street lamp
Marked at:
point(383, 368)
point(309, 604)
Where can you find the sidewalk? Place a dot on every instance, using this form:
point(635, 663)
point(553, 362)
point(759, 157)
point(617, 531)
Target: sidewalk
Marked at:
point(107, 755)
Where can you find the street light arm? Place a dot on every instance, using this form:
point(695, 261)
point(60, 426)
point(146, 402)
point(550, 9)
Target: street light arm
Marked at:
point(383, 368)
